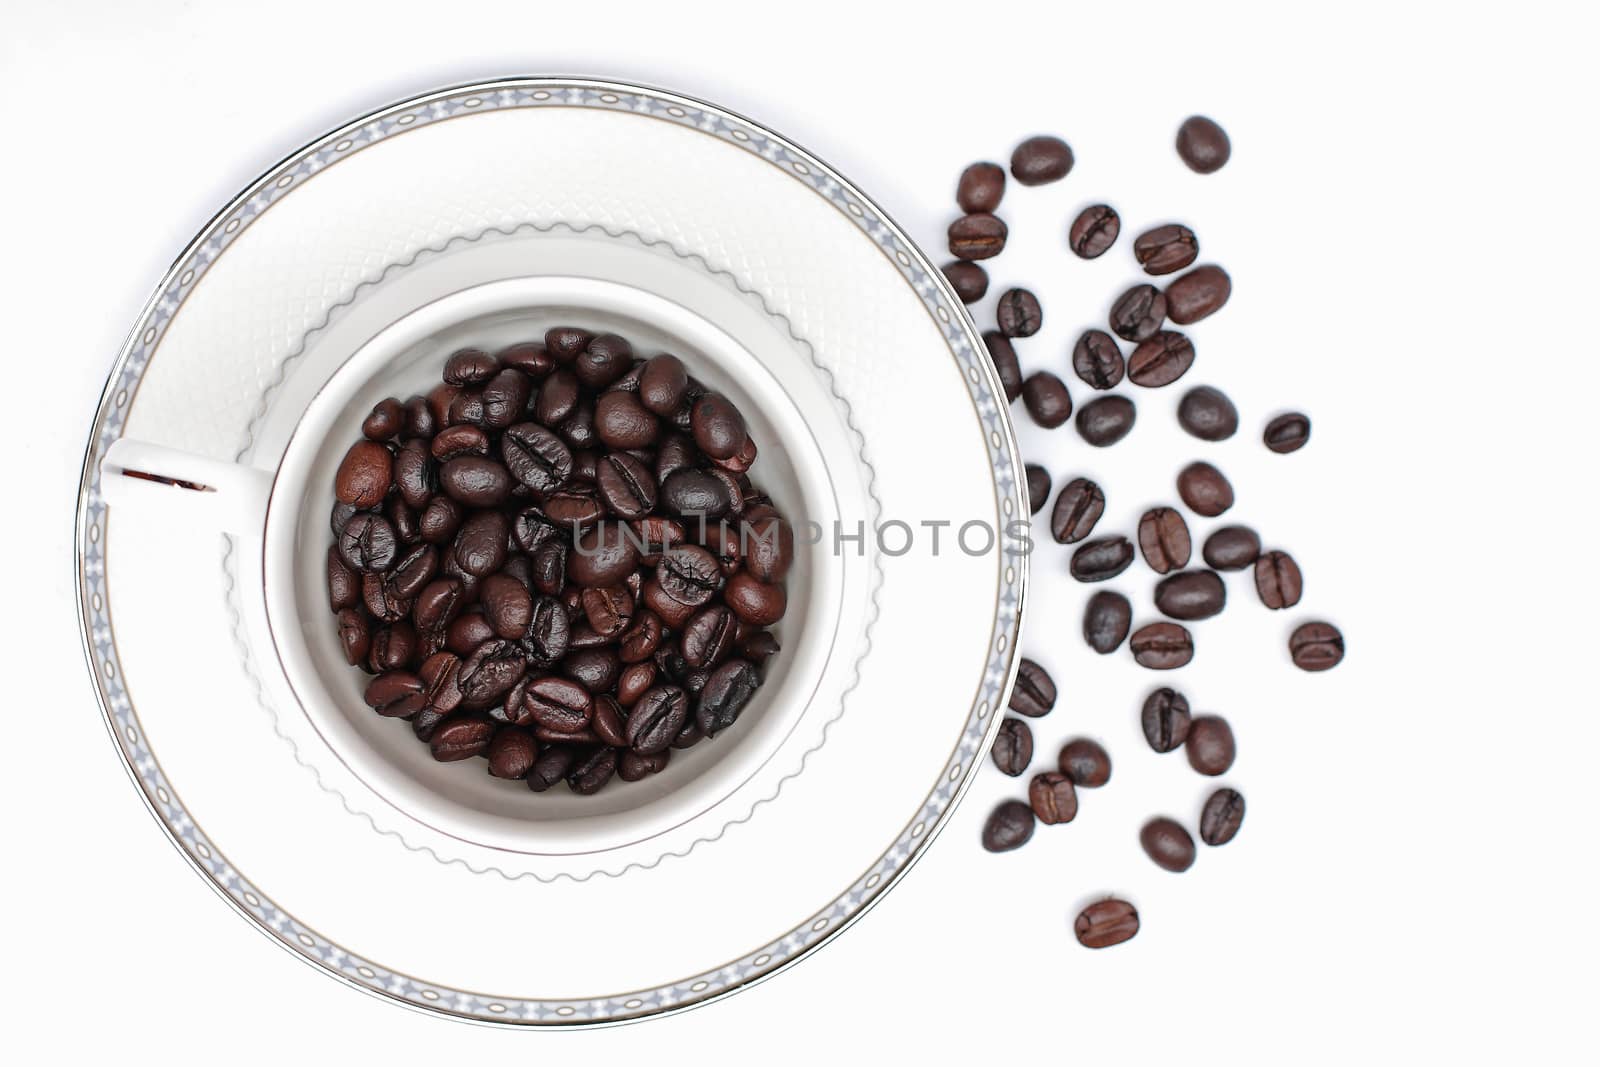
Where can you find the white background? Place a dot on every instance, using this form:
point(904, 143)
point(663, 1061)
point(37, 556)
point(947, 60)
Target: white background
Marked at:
point(1408, 223)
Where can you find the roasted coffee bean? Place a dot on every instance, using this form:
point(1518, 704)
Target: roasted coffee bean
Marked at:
point(1278, 581)
point(387, 419)
point(632, 766)
point(977, 235)
point(1221, 817)
point(592, 770)
point(1047, 400)
point(970, 281)
point(709, 636)
point(1079, 506)
point(490, 672)
point(466, 407)
point(508, 605)
point(440, 399)
point(1203, 145)
point(1231, 548)
point(767, 544)
point(416, 475)
point(382, 599)
point(557, 399)
point(663, 383)
point(1162, 646)
point(718, 427)
point(1198, 294)
point(1205, 490)
point(1097, 360)
point(1316, 646)
point(1209, 745)
point(368, 543)
point(1038, 488)
point(694, 494)
point(596, 669)
point(364, 476)
point(529, 357)
point(480, 548)
point(440, 520)
point(1097, 561)
point(756, 602)
point(355, 636)
point(603, 360)
point(758, 647)
point(689, 574)
point(393, 647)
point(441, 679)
point(1093, 231)
point(642, 638)
point(1105, 420)
point(1106, 923)
point(1009, 826)
point(1164, 540)
point(558, 704)
point(341, 514)
point(626, 485)
point(608, 721)
point(623, 422)
point(438, 604)
point(505, 398)
point(476, 481)
point(551, 766)
point(1085, 762)
point(1052, 797)
point(1040, 160)
point(1190, 595)
point(733, 490)
point(980, 188)
point(1034, 693)
point(1160, 360)
point(1138, 312)
point(536, 457)
point(1013, 747)
point(511, 753)
point(396, 694)
point(604, 555)
point(1106, 621)
point(1287, 433)
point(403, 519)
point(548, 567)
point(566, 343)
point(470, 366)
point(723, 697)
point(1018, 313)
point(609, 609)
point(420, 422)
point(344, 584)
point(654, 535)
point(1168, 844)
point(1165, 249)
point(459, 739)
point(1165, 719)
point(1208, 414)
point(1004, 358)
point(576, 507)
point(657, 718)
point(549, 633)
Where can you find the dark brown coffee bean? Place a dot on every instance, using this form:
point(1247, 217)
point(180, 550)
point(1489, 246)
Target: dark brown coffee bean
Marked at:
point(1209, 745)
point(663, 383)
point(1098, 561)
point(626, 485)
point(1105, 420)
point(395, 694)
point(505, 398)
point(1205, 490)
point(1038, 488)
point(1009, 826)
point(1316, 646)
point(1018, 313)
point(1231, 548)
point(1164, 540)
point(440, 520)
point(1106, 621)
point(754, 601)
point(609, 722)
point(529, 357)
point(1278, 580)
point(393, 647)
point(1165, 719)
point(551, 766)
point(557, 704)
point(1161, 360)
point(980, 188)
point(438, 604)
point(1165, 249)
point(459, 739)
point(767, 543)
point(566, 343)
point(535, 457)
point(709, 637)
point(657, 718)
point(368, 543)
point(641, 639)
point(609, 609)
point(1190, 595)
point(1047, 400)
point(364, 476)
point(511, 753)
point(466, 407)
point(441, 679)
point(480, 548)
point(970, 281)
point(440, 400)
point(1097, 359)
point(548, 568)
point(1162, 646)
point(1040, 160)
point(977, 235)
point(1198, 294)
point(420, 422)
point(1138, 312)
point(470, 366)
point(339, 516)
point(575, 507)
point(693, 494)
point(490, 672)
point(604, 555)
point(1004, 358)
point(603, 360)
point(1221, 817)
point(1287, 433)
point(1168, 844)
point(388, 418)
point(1203, 145)
point(633, 766)
point(557, 399)
point(1013, 747)
point(726, 693)
point(344, 584)
point(595, 668)
point(476, 481)
point(623, 422)
point(592, 770)
point(1094, 231)
point(1034, 693)
point(1079, 506)
point(508, 605)
point(1052, 797)
point(355, 636)
point(403, 519)
point(1106, 923)
point(1208, 414)
point(1085, 762)
point(549, 633)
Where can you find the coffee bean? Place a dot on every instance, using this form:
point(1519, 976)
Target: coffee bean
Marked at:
point(480, 547)
point(529, 357)
point(1203, 145)
point(438, 604)
point(1278, 581)
point(980, 188)
point(505, 398)
point(1106, 621)
point(1162, 646)
point(603, 360)
point(1164, 540)
point(1165, 249)
point(557, 399)
point(476, 481)
point(1287, 433)
point(977, 235)
point(558, 704)
point(1018, 313)
point(724, 696)
point(1167, 844)
point(1191, 595)
point(633, 766)
point(626, 485)
point(1052, 798)
point(536, 457)
point(656, 719)
point(709, 636)
point(1316, 646)
point(1098, 561)
point(551, 766)
point(440, 520)
point(1046, 398)
point(355, 636)
point(602, 556)
point(441, 679)
point(1097, 360)
point(1138, 312)
point(609, 721)
point(1210, 746)
point(387, 419)
point(396, 694)
point(364, 476)
point(623, 422)
point(1198, 294)
point(1094, 231)
point(1106, 923)
point(507, 605)
point(1013, 747)
point(1207, 414)
point(459, 739)
point(1221, 817)
point(344, 584)
point(1038, 489)
point(459, 441)
point(642, 637)
point(1231, 548)
point(419, 418)
point(759, 647)
point(970, 281)
point(1004, 358)
point(754, 601)
point(1205, 490)
point(1105, 420)
point(767, 542)
point(609, 609)
point(490, 672)
point(663, 384)
point(548, 567)
point(1009, 826)
point(393, 647)
point(368, 543)
point(1085, 762)
point(694, 494)
point(470, 366)
point(1160, 360)
point(1165, 719)
point(1034, 693)
point(566, 343)
point(1040, 160)
point(511, 753)
point(592, 770)
point(596, 668)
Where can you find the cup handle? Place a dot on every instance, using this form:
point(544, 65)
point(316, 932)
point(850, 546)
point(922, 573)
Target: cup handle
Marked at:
point(208, 493)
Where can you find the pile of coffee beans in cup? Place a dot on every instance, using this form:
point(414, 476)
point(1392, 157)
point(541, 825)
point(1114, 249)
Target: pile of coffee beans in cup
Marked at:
point(1145, 342)
point(556, 560)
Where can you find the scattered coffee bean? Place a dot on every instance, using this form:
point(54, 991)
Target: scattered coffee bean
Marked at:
point(1098, 561)
point(1316, 646)
point(1199, 293)
point(1004, 357)
point(1205, 490)
point(1165, 719)
point(970, 281)
point(1097, 360)
point(1040, 160)
point(1052, 797)
point(1106, 923)
point(1013, 747)
point(977, 236)
point(1105, 420)
point(1209, 745)
point(981, 187)
point(1018, 313)
point(1167, 844)
point(1046, 398)
point(1079, 506)
point(1207, 414)
point(1160, 360)
point(1106, 621)
point(1085, 762)
point(1034, 693)
point(1138, 313)
point(1231, 548)
point(1191, 595)
point(1287, 433)
point(1203, 145)
point(1278, 581)
point(1221, 817)
point(1009, 826)
point(1162, 646)
point(1094, 231)
point(1038, 488)
point(1164, 540)
point(1165, 249)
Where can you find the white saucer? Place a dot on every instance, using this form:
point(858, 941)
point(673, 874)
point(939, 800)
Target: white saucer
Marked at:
point(624, 185)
